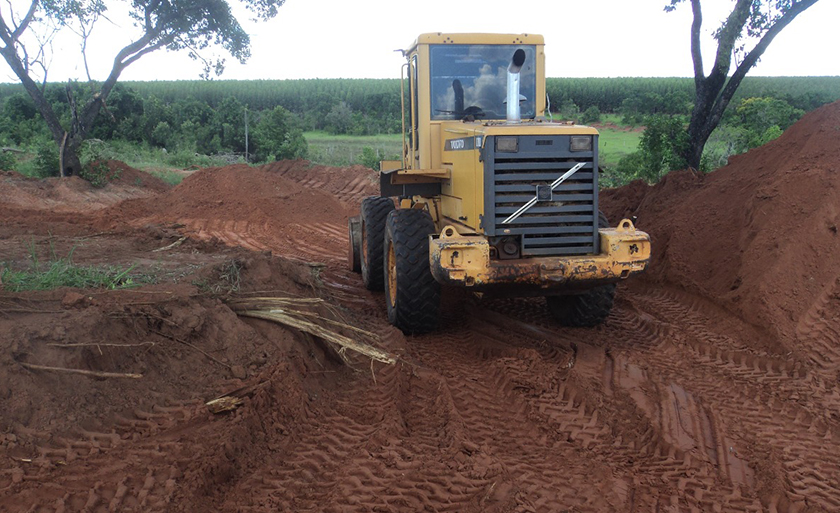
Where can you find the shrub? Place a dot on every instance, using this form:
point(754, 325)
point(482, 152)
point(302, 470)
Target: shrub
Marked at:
point(46, 160)
point(8, 162)
point(278, 137)
point(94, 155)
point(369, 158)
point(591, 115)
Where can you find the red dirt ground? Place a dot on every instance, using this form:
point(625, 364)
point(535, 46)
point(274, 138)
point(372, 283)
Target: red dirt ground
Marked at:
point(713, 386)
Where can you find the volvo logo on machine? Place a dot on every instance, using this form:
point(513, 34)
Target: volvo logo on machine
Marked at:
point(464, 143)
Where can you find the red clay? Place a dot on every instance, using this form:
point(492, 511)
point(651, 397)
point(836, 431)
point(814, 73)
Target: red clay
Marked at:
point(713, 386)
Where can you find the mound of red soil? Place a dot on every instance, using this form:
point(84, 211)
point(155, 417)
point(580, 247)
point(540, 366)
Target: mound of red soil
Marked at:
point(758, 236)
point(73, 194)
point(240, 193)
point(134, 177)
point(349, 183)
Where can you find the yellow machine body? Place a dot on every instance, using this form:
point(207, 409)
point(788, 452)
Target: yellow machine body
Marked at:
point(454, 165)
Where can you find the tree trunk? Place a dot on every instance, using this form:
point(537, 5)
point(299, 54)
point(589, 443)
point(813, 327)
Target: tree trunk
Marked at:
point(714, 92)
point(71, 165)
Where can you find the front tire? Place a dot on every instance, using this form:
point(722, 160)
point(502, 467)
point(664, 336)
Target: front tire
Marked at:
point(411, 293)
point(585, 310)
point(375, 210)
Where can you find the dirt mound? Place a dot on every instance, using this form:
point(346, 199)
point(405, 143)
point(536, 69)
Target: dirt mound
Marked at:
point(129, 176)
point(349, 183)
point(73, 194)
point(237, 192)
point(758, 236)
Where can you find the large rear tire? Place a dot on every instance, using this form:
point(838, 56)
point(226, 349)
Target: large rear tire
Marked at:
point(375, 210)
point(411, 293)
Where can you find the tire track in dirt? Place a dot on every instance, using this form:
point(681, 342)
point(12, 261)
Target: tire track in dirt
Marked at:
point(367, 447)
point(763, 404)
point(654, 359)
point(144, 477)
point(351, 184)
point(487, 378)
point(818, 332)
point(673, 404)
point(585, 407)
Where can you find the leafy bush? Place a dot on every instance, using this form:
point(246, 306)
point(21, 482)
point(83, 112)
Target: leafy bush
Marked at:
point(8, 162)
point(569, 110)
point(661, 150)
point(370, 158)
point(277, 136)
point(99, 174)
point(46, 159)
point(591, 115)
point(94, 156)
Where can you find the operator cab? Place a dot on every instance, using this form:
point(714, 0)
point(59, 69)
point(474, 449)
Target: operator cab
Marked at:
point(470, 81)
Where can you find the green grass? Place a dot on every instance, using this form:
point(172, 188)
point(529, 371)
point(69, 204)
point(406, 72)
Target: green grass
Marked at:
point(346, 150)
point(157, 161)
point(62, 272)
point(167, 175)
point(616, 143)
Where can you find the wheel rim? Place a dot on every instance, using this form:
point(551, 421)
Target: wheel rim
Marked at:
point(392, 274)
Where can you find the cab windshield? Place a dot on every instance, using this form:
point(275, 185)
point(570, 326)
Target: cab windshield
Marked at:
point(471, 81)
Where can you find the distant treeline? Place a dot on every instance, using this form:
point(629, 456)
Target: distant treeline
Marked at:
point(371, 106)
point(209, 117)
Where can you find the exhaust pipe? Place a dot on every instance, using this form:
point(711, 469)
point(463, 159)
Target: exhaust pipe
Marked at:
point(514, 114)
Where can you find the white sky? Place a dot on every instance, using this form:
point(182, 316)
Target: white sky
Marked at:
point(356, 39)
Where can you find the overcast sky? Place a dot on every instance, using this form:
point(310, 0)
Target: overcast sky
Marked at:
point(357, 39)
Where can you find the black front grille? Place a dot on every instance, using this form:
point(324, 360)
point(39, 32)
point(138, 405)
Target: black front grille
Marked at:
point(565, 225)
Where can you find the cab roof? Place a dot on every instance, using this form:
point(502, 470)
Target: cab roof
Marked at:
point(476, 39)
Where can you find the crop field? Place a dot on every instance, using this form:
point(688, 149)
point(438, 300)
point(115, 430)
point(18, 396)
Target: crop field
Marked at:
point(346, 150)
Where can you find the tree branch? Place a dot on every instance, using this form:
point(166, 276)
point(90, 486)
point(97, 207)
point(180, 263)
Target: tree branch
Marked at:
point(728, 34)
point(696, 54)
point(30, 15)
point(752, 58)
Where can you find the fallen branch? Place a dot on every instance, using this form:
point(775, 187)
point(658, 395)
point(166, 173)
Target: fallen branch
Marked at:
point(95, 374)
point(251, 303)
point(282, 317)
point(27, 310)
point(174, 244)
point(223, 404)
point(86, 344)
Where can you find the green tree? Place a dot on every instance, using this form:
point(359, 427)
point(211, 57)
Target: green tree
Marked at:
point(751, 21)
point(277, 136)
point(230, 122)
point(197, 26)
point(761, 114)
point(340, 119)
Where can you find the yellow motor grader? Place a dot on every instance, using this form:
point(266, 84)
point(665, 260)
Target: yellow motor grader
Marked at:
point(489, 194)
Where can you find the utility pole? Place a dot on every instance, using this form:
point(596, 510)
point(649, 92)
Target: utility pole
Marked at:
point(246, 135)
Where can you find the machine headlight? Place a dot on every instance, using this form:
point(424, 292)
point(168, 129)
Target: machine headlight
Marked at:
point(507, 144)
point(581, 143)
